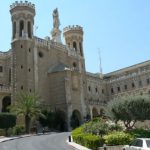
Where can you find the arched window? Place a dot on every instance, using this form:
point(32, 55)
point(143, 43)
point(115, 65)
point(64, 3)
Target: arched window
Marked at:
point(29, 29)
point(81, 51)
point(21, 28)
point(14, 30)
point(75, 46)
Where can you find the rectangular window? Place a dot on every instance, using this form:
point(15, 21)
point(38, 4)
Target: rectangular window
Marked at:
point(112, 91)
point(140, 83)
point(96, 90)
point(125, 87)
point(1, 68)
point(148, 81)
point(118, 88)
point(102, 91)
point(133, 85)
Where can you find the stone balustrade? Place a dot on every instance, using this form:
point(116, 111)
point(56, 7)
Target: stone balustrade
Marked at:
point(51, 44)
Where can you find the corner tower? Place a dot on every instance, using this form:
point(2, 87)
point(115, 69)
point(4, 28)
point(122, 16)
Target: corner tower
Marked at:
point(22, 45)
point(74, 38)
point(22, 16)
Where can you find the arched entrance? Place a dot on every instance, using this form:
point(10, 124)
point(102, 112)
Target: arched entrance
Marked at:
point(95, 112)
point(60, 121)
point(5, 103)
point(75, 119)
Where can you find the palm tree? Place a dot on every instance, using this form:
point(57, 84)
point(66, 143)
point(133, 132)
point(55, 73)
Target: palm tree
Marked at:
point(27, 104)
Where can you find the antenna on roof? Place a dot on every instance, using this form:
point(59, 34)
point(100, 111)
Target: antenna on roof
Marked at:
point(100, 63)
point(36, 28)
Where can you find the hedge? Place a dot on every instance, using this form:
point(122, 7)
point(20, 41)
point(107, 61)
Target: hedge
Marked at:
point(118, 138)
point(86, 139)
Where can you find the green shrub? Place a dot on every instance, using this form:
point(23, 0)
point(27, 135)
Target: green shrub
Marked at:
point(85, 139)
point(140, 133)
point(7, 120)
point(115, 127)
point(96, 127)
point(2, 132)
point(9, 132)
point(18, 129)
point(118, 138)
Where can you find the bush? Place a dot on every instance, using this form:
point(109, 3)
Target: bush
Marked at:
point(118, 138)
point(7, 120)
point(85, 139)
point(9, 132)
point(2, 132)
point(140, 133)
point(115, 127)
point(18, 130)
point(96, 127)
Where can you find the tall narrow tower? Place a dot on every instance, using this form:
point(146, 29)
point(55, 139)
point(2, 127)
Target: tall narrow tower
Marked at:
point(22, 16)
point(74, 38)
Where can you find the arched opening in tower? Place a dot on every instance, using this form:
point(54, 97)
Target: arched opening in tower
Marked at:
point(5, 103)
point(29, 29)
point(14, 30)
point(21, 32)
point(81, 51)
point(75, 46)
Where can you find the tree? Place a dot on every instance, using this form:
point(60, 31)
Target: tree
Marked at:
point(7, 121)
point(48, 120)
point(129, 109)
point(53, 120)
point(27, 104)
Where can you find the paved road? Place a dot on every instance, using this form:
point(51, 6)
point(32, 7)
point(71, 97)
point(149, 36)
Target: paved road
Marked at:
point(54, 141)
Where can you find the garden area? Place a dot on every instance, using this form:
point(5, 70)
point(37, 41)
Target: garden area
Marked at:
point(117, 127)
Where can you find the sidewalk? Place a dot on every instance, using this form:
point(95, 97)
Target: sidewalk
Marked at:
point(76, 146)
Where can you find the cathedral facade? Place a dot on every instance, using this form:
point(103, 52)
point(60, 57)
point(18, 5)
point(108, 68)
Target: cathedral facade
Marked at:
point(56, 71)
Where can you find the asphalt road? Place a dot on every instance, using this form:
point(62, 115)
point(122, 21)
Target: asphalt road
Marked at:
point(53, 141)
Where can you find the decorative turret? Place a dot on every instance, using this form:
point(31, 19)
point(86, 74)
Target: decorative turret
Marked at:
point(74, 38)
point(22, 16)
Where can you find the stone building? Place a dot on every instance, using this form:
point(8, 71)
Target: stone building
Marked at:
point(56, 71)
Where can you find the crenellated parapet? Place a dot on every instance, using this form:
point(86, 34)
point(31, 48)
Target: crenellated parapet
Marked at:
point(72, 28)
point(21, 3)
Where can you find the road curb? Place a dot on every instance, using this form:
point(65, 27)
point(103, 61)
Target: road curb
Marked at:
point(13, 138)
point(77, 146)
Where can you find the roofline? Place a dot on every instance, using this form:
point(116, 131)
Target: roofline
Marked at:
point(129, 68)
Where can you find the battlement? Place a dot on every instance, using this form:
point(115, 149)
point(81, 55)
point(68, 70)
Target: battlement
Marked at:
point(21, 3)
point(73, 27)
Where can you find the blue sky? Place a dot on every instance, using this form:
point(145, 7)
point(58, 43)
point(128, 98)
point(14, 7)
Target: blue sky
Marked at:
point(120, 28)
